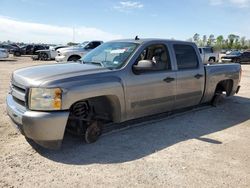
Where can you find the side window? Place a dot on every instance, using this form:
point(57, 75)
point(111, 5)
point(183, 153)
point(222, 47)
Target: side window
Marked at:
point(158, 55)
point(186, 57)
point(95, 44)
point(208, 50)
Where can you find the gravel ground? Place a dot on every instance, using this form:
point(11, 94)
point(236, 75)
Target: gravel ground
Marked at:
point(208, 147)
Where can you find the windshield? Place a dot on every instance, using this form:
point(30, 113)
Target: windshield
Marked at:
point(111, 55)
point(82, 45)
point(235, 53)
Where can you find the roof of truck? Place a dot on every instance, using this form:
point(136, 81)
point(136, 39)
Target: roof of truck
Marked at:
point(140, 41)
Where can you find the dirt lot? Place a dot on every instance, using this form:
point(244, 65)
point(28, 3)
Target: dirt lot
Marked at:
point(208, 147)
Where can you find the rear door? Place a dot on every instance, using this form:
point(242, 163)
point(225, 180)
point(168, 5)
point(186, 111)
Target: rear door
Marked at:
point(190, 76)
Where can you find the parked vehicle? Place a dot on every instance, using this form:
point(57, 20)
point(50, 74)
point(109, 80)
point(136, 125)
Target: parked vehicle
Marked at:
point(237, 57)
point(118, 81)
point(208, 55)
point(10, 48)
point(4, 53)
point(48, 54)
point(75, 53)
point(29, 49)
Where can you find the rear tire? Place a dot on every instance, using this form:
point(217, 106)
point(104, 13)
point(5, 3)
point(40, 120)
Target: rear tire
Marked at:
point(93, 132)
point(237, 60)
point(211, 60)
point(17, 54)
point(44, 56)
point(217, 100)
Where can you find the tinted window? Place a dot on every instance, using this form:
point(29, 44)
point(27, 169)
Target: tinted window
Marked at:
point(208, 50)
point(95, 44)
point(186, 57)
point(246, 54)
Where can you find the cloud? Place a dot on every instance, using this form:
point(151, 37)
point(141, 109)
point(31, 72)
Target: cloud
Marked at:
point(126, 6)
point(235, 3)
point(22, 31)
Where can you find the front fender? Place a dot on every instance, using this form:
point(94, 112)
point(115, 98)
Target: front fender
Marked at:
point(113, 90)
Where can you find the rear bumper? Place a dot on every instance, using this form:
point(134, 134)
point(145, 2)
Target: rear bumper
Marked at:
point(42, 127)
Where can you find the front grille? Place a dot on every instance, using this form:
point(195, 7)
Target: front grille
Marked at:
point(18, 93)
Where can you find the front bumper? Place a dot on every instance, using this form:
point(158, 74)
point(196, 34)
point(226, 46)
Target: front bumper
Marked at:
point(61, 58)
point(226, 60)
point(45, 128)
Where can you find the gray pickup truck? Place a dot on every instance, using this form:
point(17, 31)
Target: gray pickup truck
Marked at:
point(118, 81)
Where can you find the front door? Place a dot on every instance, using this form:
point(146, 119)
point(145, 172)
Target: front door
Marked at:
point(151, 92)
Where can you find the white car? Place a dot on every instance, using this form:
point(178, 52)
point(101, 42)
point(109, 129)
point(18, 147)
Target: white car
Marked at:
point(49, 54)
point(75, 53)
point(4, 53)
point(208, 55)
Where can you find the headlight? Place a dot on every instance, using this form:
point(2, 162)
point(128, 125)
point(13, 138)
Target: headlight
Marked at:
point(45, 99)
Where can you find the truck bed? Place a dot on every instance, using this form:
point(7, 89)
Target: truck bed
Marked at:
point(216, 72)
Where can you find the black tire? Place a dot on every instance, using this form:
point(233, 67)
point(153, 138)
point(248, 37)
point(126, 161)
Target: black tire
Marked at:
point(17, 54)
point(93, 132)
point(211, 60)
point(237, 60)
point(217, 100)
point(74, 58)
point(43, 56)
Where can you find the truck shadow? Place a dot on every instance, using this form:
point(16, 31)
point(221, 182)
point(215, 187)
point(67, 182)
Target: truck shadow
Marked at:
point(137, 142)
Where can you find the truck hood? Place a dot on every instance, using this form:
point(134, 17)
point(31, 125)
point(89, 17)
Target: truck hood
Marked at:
point(36, 75)
point(71, 49)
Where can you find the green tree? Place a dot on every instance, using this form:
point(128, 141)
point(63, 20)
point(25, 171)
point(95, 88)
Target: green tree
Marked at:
point(196, 38)
point(231, 39)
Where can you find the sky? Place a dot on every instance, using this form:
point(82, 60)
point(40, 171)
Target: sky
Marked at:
point(62, 21)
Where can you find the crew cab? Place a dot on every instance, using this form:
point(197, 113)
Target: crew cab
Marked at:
point(118, 81)
point(208, 55)
point(74, 53)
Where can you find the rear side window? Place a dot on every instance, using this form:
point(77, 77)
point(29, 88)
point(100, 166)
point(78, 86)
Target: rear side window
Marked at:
point(186, 57)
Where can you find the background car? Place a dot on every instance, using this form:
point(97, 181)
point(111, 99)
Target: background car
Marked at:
point(9, 47)
point(29, 49)
point(237, 57)
point(48, 54)
point(75, 53)
point(4, 53)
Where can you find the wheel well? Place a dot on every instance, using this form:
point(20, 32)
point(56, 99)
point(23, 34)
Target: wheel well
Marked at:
point(103, 107)
point(224, 86)
point(77, 56)
point(212, 58)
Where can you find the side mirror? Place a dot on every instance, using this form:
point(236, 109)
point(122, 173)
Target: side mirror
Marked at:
point(143, 65)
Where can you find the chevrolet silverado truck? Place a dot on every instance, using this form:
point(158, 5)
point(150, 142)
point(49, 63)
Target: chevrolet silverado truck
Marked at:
point(118, 81)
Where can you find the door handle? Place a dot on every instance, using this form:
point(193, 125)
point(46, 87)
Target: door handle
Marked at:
point(198, 76)
point(168, 79)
